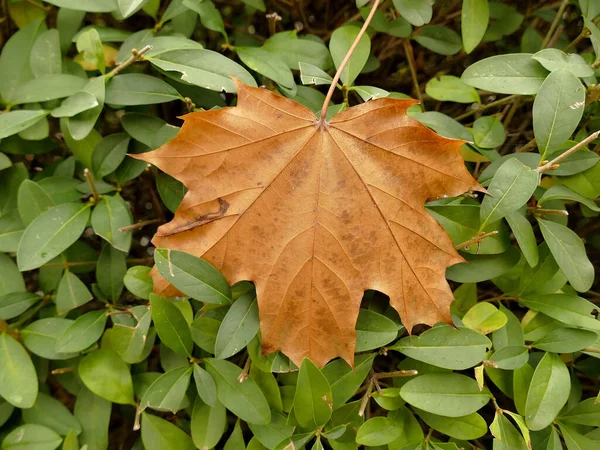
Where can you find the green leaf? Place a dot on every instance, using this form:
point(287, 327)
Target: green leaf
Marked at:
point(471, 426)
point(444, 125)
point(557, 110)
point(548, 392)
point(158, 434)
point(33, 201)
point(134, 343)
point(204, 333)
point(368, 93)
point(109, 153)
point(512, 186)
point(452, 89)
point(269, 65)
point(341, 41)
point(193, 276)
point(82, 124)
point(483, 267)
point(148, 130)
point(171, 190)
point(87, 5)
point(516, 73)
point(585, 413)
point(294, 50)
point(239, 326)
point(377, 431)
point(45, 58)
point(203, 68)
point(567, 308)
point(564, 193)
point(15, 61)
point(168, 390)
point(205, 385)
point(569, 253)
point(439, 39)
point(70, 441)
point(566, 340)
point(474, 20)
point(11, 231)
point(51, 413)
point(523, 232)
point(139, 89)
point(510, 357)
point(13, 122)
point(40, 337)
point(488, 132)
point(110, 270)
point(108, 217)
point(137, 281)
point(93, 413)
point(51, 233)
point(48, 87)
point(445, 394)
point(521, 382)
point(446, 347)
point(209, 15)
point(545, 277)
point(129, 7)
point(553, 59)
point(506, 434)
point(89, 45)
point(575, 440)
point(72, 293)
point(243, 399)
point(82, 333)
point(484, 318)
point(18, 379)
point(313, 402)
point(345, 380)
point(106, 375)
point(208, 423)
point(373, 330)
point(310, 74)
point(31, 436)
point(16, 303)
point(77, 103)
point(272, 434)
point(171, 326)
point(236, 438)
point(417, 12)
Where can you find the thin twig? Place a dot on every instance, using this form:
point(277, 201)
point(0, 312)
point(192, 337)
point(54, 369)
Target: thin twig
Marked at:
point(552, 165)
point(139, 225)
point(135, 56)
point(410, 57)
point(475, 239)
point(559, 14)
point(395, 374)
point(502, 101)
point(340, 69)
point(540, 211)
point(88, 176)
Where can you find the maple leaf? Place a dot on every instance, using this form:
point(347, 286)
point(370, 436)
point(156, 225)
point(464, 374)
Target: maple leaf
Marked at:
point(315, 215)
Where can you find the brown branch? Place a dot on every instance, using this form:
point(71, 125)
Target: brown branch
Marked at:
point(554, 164)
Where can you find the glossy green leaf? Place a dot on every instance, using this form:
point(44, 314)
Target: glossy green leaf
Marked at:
point(205, 385)
point(16, 303)
point(72, 293)
point(471, 426)
point(159, 434)
point(106, 375)
point(77, 103)
point(193, 276)
point(208, 423)
point(51, 233)
point(168, 390)
point(171, 326)
point(341, 40)
point(452, 89)
point(446, 347)
point(439, 39)
point(243, 399)
point(475, 15)
point(510, 357)
point(344, 380)
point(523, 232)
point(553, 59)
point(31, 436)
point(310, 74)
point(445, 394)
point(52, 414)
point(15, 121)
point(93, 413)
point(488, 132)
point(273, 433)
point(483, 267)
point(557, 110)
point(505, 432)
point(585, 413)
point(82, 333)
point(548, 392)
point(48, 87)
point(566, 340)
point(139, 89)
point(109, 153)
point(108, 217)
point(416, 12)
point(41, 335)
point(294, 49)
point(484, 318)
point(566, 308)
point(18, 379)
point(313, 401)
point(377, 431)
point(373, 330)
point(138, 282)
point(516, 73)
point(171, 190)
point(32, 201)
point(239, 326)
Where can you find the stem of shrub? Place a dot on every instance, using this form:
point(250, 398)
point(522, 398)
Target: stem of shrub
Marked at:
point(135, 56)
point(340, 69)
point(552, 165)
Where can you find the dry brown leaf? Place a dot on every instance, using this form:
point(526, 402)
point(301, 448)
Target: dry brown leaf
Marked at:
point(314, 216)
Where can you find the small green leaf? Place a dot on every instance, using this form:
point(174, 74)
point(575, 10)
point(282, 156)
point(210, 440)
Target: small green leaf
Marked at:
point(137, 281)
point(171, 190)
point(484, 318)
point(510, 357)
point(33, 201)
point(93, 413)
point(16, 303)
point(474, 20)
point(13, 122)
point(310, 74)
point(516, 73)
point(82, 333)
point(51, 233)
point(48, 87)
point(566, 308)
point(452, 89)
point(294, 50)
point(239, 326)
point(585, 413)
point(345, 380)
point(512, 186)
point(269, 65)
point(31, 436)
point(89, 45)
point(417, 12)
point(373, 330)
point(488, 132)
point(566, 340)
point(523, 232)
point(553, 59)
point(377, 431)
point(471, 426)
point(18, 379)
point(72, 293)
point(557, 110)
point(507, 434)
point(77, 103)
point(548, 392)
point(205, 385)
point(313, 402)
point(168, 390)
point(445, 394)
point(158, 434)
point(45, 58)
point(446, 347)
point(483, 267)
point(569, 253)
point(106, 375)
point(272, 434)
point(439, 39)
point(244, 399)
point(40, 337)
point(193, 276)
point(108, 217)
point(109, 153)
point(341, 41)
point(51, 413)
point(171, 326)
point(208, 423)
point(139, 89)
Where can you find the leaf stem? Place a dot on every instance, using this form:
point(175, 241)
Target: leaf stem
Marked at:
point(475, 239)
point(552, 165)
point(502, 101)
point(410, 57)
point(135, 56)
point(338, 74)
point(90, 180)
point(541, 211)
point(559, 14)
point(140, 224)
point(395, 374)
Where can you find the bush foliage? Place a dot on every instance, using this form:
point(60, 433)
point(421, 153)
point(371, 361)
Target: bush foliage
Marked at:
point(91, 358)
